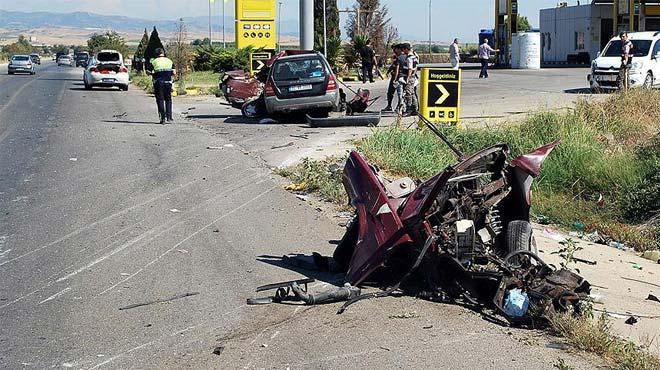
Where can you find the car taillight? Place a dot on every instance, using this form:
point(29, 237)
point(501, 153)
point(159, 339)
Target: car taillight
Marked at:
point(270, 88)
point(123, 70)
point(94, 69)
point(332, 84)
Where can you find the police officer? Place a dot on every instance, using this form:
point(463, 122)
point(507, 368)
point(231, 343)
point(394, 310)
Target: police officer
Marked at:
point(162, 72)
point(410, 79)
point(368, 58)
point(393, 72)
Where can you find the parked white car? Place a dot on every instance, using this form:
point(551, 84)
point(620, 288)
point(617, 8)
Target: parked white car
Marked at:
point(645, 69)
point(106, 69)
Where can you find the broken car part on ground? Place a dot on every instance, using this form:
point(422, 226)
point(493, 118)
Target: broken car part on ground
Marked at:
point(461, 236)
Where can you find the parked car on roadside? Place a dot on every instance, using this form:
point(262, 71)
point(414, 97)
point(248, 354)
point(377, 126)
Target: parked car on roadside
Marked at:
point(82, 59)
point(65, 60)
point(301, 82)
point(20, 64)
point(106, 69)
point(645, 69)
point(36, 59)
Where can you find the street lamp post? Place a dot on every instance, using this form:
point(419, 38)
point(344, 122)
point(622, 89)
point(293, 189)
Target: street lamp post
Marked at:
point(210, 30)
point(224, 41)
point(430, 26)
point(325, 31)
point(279, 25)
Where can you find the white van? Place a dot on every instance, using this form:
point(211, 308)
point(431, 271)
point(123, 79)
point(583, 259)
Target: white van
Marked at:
point(645, 70)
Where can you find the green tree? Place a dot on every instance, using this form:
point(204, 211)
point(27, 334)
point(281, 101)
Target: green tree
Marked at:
point(139, 52)
point(22, 46)
point(150, 50)
point(523, 24)
point(372, 22)
point(109, 40)
point(332, 22)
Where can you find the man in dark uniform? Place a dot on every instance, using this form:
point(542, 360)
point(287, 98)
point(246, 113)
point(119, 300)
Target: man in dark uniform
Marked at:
point(393, 72)
point(162, 72)
point(368, 62)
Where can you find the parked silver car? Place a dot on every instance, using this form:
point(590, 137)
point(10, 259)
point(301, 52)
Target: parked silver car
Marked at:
point(106, 69)
point(20, 64)
point(302, 82)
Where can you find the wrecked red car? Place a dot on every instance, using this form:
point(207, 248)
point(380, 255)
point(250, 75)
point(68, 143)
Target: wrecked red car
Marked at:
point(462, 235)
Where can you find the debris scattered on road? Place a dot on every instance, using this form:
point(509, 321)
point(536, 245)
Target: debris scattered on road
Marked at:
point(304, 198)
point(631, 320)
point(296, 187)
point(268, 121)
point(73, 159)
point(218, 350)
point(264, 345)
point(651, 297)
point(297, 291)
point(640, 281)
point(120, 115)
point(152, 135)
point(178, 296)
point(124, 274)
point(384, 348)
point(405, 315)
point(427, 327)
point(593, 263)
point(300, 136)
point(183, 251)
point(636, 266)
point(213, 147)
point(344, 215)
point(216, 230)
point(228, 145)
point(463, 236)
point(282, 146)
point(174, 210)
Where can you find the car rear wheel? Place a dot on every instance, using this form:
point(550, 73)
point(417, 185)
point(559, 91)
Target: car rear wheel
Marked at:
point(648, 81)
point(124, 88)
point(87, 85)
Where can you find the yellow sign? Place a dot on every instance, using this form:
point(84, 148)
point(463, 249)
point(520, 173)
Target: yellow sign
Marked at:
point(255, 9)
point(258, 61)
point(440, 95)
point(259, 34)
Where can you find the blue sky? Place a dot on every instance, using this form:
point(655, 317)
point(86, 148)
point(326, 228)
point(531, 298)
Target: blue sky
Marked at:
point(451, 18)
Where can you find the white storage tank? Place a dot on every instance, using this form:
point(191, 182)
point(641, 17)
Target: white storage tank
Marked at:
point(526, 50)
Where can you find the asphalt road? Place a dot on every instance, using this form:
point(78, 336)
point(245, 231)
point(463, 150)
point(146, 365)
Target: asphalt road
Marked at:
point(101, 209)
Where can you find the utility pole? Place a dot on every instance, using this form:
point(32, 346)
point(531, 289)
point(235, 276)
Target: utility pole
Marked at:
point(307, 24)
point(224, 41)
point(325, 31)
point(358, 12)
point(430, 26)
point(210, 31)
point(279, 25)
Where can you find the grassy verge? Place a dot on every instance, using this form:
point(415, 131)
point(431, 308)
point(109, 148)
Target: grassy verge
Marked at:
point(595, 336)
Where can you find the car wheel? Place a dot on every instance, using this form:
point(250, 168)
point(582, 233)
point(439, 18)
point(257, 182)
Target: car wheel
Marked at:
point(648, 81)
point(87, 85)
point(595, 90)
point(124, 88)
point(33, 73)
point(519, 237)
point(10, 73)
point(254, 108)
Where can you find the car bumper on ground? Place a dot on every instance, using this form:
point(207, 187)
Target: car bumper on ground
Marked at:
point(276, 105)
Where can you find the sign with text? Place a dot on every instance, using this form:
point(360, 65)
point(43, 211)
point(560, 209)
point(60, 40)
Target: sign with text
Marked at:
point(440, 94)
point(258, 61)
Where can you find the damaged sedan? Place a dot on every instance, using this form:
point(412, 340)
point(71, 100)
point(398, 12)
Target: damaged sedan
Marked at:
point(461, 236)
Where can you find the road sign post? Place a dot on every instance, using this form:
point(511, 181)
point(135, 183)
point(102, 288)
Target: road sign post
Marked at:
point(440, 95)
point(258, 61)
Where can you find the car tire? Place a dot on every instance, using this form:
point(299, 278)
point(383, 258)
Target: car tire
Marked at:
point(595, 90)
point(124, 88)
point(33, 73)
point(87, 85)
point(519, 237)
point(10, 73)
point(254, 108)
point(648, 81)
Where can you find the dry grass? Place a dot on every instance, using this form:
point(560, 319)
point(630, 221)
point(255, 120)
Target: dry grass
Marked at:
point(594, 336)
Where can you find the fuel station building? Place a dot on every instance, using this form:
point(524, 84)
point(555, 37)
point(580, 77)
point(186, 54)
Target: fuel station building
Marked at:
point(575, 34)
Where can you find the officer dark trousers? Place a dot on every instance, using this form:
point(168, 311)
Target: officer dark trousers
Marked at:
point(391, 89)
point(163, 92)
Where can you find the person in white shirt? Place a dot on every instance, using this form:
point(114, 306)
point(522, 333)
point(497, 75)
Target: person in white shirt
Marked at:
point(454, 54)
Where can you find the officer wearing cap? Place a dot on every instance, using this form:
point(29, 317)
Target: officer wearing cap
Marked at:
point(162, 74)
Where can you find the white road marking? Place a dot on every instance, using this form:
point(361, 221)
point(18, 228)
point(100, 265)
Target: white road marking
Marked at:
point(187, 238)
point(55, 295)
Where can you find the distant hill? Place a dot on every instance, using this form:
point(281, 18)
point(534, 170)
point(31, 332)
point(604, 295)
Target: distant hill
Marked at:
point(23, 20)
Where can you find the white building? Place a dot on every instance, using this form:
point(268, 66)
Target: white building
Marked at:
point(575, 34)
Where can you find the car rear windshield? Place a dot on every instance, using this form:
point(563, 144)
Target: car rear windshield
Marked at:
point(21, 58)
point(108, 57)
point(288, 70)
point(640, 48)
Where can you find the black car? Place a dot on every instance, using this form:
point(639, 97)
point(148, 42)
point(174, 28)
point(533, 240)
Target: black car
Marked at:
point(82, 59)
point(35, 58)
